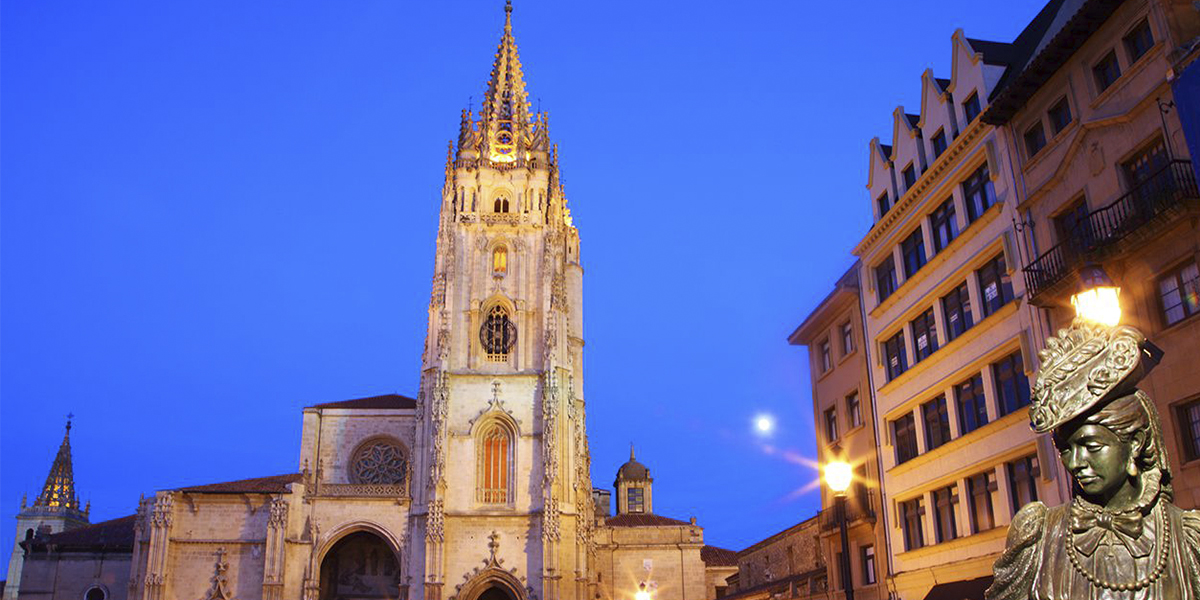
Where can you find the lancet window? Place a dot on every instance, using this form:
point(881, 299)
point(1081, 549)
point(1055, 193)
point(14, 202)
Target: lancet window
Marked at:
point(500, 260)
point(500, 205)
point(498, 335)
point(495, 461)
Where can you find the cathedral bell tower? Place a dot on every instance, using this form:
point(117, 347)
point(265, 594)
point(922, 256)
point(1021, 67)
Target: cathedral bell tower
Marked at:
point(502, 494)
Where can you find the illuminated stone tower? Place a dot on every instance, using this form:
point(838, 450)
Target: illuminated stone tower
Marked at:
point(502, 494)
point(56, 509)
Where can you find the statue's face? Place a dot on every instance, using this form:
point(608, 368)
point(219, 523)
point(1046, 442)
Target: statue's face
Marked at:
point(1096, 458)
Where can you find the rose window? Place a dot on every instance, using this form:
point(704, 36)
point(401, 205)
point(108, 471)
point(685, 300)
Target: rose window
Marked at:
point(379, 461)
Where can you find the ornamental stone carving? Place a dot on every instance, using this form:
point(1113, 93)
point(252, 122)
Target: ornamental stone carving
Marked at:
point(380, 461)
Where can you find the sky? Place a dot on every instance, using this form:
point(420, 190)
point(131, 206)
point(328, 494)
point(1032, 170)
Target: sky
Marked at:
point(213, 214)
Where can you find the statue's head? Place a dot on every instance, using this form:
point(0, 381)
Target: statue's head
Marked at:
point(1106, 430)
point(1115, 451)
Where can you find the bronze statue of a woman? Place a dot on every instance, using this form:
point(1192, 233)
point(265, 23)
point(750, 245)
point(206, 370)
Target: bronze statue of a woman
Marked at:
point(1120, 538)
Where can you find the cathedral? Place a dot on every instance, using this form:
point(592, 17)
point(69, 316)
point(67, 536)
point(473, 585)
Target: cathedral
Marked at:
point(479, 488)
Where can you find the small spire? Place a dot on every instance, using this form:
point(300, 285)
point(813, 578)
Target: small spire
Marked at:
point(59, 490)
point(508, 15)
point(630, 450)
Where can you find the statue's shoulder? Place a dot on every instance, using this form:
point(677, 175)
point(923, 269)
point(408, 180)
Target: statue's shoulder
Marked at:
point(1029, 523)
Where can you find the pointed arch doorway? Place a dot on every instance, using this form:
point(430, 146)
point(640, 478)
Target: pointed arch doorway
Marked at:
point(493, 584)
point(495, 593)
point(360, 566)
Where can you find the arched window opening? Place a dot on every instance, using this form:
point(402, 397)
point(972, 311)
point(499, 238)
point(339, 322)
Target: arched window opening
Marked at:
point(501, 205)
point(500, 260)
point(360, 565)
point(95, 593)
point(474, 196)
point(495, 458)
point(29, 534)
point(498, 335)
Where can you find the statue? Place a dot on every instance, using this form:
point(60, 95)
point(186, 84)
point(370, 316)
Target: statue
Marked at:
point(1120, 538)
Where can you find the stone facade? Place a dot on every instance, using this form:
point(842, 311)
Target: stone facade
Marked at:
point(789, 564)
point(845, 418)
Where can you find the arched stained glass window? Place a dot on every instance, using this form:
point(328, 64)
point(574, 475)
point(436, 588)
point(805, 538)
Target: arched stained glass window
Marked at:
point(498, 334)
point(500, 260)
point(495, 459)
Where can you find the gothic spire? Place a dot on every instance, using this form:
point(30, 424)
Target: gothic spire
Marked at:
point(505, 110)
point(59, 490)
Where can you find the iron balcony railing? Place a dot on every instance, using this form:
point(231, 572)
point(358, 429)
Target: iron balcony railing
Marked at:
point(1107, 230)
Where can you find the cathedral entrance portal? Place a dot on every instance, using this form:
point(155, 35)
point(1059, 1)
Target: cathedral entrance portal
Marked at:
point(360, 566)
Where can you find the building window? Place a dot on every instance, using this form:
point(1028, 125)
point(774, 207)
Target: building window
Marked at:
point(980, 487)
point(854, 409)
point(995, 284)
point(944, 225)
point(956, 311)
point(380, 461)
point(1189, 428)
point(893, 354)
point(885, 278)
point(1139, 41)
point(635, 500)
point(1179, 293)
point(1012, 386)
point(972, 408)
point(1107, 71)
point(498, 334)
point(831, 428)
point(911, 513)
point(847, 338)
point(883, 203)
point(1035, 139)
point(495, 461)
point(939, 143)
point(826, 357)
point(978, 193)
point(500, 205)
point(1060, 116)
point(867, 556)
point(945, 504)
point(1022, 480)
point(1071, 223)
point(937, 422)
point(913, 251)
point(924, 331)
point(904, 430)
point(95, 593)
point(910, 176)
point(500, 260)
point(971, 108)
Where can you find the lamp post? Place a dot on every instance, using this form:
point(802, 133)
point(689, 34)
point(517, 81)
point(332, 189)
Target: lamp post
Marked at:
point(838, 476)
point(1098, 297)
point(641, 594)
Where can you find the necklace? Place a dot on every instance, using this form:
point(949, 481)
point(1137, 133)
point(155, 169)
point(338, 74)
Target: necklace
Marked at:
point(1159, 567)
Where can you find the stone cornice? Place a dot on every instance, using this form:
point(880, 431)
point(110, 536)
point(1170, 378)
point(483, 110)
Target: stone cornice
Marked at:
point(917, 193)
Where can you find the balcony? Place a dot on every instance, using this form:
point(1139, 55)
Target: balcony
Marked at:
point(1112, 231)
point(858, 508)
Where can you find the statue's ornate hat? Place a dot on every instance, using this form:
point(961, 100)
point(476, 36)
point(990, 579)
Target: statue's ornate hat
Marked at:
point(1085, 365)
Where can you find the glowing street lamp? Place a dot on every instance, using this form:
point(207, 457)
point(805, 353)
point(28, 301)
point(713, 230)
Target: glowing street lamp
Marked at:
point(838, 476)
point(642, 594)
point(1097, 299)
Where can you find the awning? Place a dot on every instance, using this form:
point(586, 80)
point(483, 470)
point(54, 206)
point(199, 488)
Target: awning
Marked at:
point(971, 589)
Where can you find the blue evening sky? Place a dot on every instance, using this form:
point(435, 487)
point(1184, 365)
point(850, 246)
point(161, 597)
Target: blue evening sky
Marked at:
point(217, 213)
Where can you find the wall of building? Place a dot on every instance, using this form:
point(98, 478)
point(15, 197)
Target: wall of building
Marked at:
point(666, 558)
point(54, 575)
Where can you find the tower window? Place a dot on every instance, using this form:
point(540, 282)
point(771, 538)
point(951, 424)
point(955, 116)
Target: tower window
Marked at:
point(636, 499)
point(500, 205)
point(499, 334)
point(500, 260)
point(495, 458)
point(95, 593)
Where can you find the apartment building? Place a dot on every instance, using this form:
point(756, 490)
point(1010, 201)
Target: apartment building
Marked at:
point(949, 336)
point(1106, 179)
point(833, 335)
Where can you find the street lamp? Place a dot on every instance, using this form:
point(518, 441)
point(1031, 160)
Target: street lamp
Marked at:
point(1097, 299)
point(642, 594)
point(838, 476)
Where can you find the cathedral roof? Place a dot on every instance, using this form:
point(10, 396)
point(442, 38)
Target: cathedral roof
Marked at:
point(718, 557)
point(274, 484)
point(58, 493)
point(394, 401)
point(643, 520)
point(116, 534)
